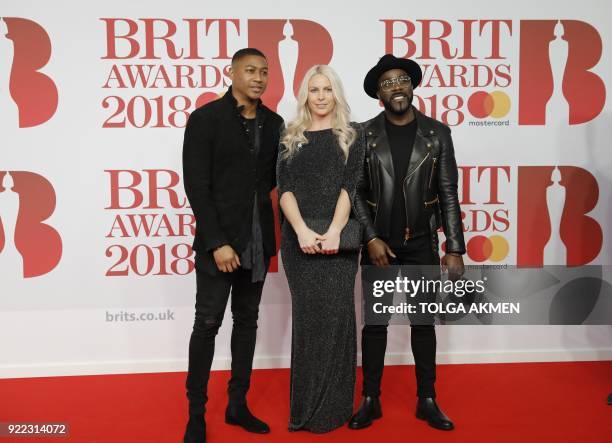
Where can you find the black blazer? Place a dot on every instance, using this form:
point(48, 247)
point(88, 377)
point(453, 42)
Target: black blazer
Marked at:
point(221, 176)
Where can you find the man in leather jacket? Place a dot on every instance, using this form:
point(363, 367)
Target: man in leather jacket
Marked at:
point(409, 191)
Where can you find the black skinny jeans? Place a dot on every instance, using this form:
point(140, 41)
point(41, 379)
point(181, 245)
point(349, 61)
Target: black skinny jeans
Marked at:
point(417, 251)
point(211, 299)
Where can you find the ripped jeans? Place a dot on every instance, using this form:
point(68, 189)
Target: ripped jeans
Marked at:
point(211, 299)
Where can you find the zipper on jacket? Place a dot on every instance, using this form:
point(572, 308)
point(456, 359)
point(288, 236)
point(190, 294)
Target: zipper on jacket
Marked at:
point(377, 200)
point(433, 169)
point(370, 168)
point(369, 172)
point(407, 229)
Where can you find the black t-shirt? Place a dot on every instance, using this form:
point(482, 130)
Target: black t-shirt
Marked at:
point(401, 141)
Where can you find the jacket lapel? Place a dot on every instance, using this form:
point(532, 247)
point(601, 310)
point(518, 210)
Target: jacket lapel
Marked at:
point(422, 144)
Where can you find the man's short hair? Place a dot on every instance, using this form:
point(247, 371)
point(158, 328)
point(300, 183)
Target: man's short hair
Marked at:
point(246, 51)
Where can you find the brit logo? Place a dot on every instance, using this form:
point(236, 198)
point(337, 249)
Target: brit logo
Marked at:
point(557, 84)
point(28, 246)
point(553, 222)
point(31, 97)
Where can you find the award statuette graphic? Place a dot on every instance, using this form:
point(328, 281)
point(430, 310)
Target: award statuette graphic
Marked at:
point(557, 108)
point(288, 51)
point(555, 251)
point(11, 261)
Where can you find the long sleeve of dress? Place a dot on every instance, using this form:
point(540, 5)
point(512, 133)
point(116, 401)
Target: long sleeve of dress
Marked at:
point(284, 179)
point(354, 166)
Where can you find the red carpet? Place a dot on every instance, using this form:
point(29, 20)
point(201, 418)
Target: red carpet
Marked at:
point(521, 402)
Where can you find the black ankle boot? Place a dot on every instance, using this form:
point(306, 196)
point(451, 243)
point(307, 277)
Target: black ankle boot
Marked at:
point(428, 409)
point(196, 430)
point(239, 415)
point(369, 411)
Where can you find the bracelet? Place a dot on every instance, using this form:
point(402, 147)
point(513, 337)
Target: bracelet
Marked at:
point(454, 254)
point(375, 238)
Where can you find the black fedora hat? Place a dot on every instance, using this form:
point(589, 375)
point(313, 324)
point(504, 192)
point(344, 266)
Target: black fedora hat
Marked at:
point(387, 62)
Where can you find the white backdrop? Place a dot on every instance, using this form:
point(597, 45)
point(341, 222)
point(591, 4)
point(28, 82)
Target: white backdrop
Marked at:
point(94, 232)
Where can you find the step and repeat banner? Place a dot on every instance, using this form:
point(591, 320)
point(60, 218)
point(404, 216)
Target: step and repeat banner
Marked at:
point(96, 266)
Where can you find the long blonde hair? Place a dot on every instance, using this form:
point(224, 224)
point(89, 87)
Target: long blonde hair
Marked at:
point(294, 133)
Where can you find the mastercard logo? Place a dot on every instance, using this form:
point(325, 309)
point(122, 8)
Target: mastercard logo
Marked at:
point(481, 248)
point(495, 104)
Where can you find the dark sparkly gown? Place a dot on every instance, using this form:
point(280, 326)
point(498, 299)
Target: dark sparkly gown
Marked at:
point(323, 346)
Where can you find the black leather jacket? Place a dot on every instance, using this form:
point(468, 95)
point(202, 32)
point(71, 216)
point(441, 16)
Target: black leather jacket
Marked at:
point(430, 184)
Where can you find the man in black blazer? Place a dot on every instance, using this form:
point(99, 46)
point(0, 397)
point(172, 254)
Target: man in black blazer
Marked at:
point(229, 168)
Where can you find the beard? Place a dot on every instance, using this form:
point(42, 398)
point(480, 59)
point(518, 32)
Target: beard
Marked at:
point(400, 108)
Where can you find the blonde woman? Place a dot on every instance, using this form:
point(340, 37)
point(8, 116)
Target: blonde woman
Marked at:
point(320, 162)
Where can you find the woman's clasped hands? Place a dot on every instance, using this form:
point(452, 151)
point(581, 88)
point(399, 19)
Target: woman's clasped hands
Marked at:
point(313, 243)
